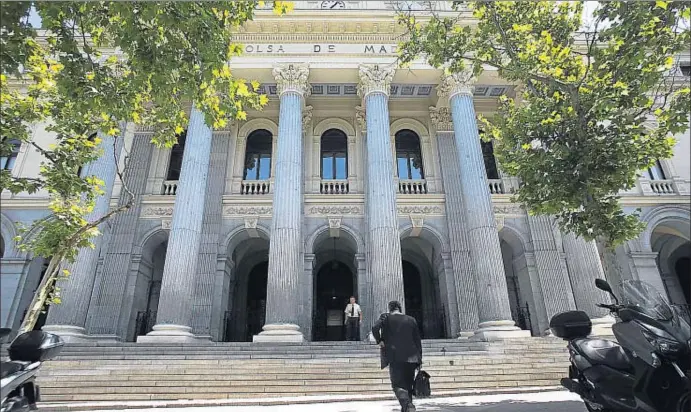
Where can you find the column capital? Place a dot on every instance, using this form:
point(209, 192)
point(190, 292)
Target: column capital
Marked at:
point(292, 78)
point(375, 78)
point(441, 118)
point(456, 83)
point(360, 117)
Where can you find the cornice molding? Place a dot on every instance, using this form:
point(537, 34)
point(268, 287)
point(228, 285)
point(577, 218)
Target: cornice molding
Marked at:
point(292, 78)
point(375, 78)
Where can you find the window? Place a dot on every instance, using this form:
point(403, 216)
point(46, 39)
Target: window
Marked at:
point(490, 161)
point(409, 156)
point(175, 161)
point(334, 149)
point(82, 170)
point(656, 172)
point(7, 162)
point(258, 155)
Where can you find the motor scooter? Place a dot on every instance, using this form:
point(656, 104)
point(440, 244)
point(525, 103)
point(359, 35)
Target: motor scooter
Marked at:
point(646, 370)
point(27, 352)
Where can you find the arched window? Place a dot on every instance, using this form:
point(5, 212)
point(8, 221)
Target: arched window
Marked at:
point(8, 160)
point(258, 155)
point(490, 161)
point(409, 155)
point(175, 161)
point(334, 148)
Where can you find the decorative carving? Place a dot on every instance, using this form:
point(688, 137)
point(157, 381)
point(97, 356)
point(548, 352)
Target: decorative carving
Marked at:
point(511, 209)
point(335, 210)
point(418, 222)
point(334, 226)
point(157, 211)
point(306, 118)
point(420, 210)
point(441, 118)
point(292, 78)
point(166, 224)
point(375, 78)
point(251, 226)
point(456, 83)
point(499, 221)
point(360, 117)
point(247, 210)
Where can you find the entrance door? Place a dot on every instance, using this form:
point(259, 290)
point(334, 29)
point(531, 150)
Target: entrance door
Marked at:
point(256, 299)
point(412, 289)
point(333, 289)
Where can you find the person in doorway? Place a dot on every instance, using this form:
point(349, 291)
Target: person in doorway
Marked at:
point(353, 315)
point(399, 337)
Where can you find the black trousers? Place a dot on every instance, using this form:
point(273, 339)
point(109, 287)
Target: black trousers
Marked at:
point(353, 329)
point(402, 375)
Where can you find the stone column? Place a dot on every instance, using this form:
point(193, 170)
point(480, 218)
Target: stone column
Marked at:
point(455, 219)
point(174, 318)
point(68, 319)
point(583, 261)
point(494, 313)
point(551, 266)
point(383, 240)
point(286, 261)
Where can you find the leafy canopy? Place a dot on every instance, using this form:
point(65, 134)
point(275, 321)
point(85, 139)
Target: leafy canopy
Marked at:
point(94, 66)
point(595, 107)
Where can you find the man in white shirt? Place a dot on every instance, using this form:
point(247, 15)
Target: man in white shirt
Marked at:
point(353, 315)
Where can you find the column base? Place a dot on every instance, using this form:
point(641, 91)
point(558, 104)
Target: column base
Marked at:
point(279, 332)
point(603, 326)
point(465, 335)
point(169, 334)
point(68, 333)
point(498, 330)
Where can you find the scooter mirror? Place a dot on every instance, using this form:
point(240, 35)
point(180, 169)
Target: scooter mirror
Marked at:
point(603, 285)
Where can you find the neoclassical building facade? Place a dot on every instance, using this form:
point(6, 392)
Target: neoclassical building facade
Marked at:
point(357, 179)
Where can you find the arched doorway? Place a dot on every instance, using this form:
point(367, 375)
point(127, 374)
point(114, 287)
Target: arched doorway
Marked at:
point(334, 285)
point(148, 284)
point(670, 239)
point(425, 299)
point(246, 297)
point(334, 281)
point(519, 287)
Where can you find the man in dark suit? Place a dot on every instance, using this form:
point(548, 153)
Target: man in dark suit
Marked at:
point(399, 337)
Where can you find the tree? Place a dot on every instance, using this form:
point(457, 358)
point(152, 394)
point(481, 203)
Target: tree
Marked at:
point(598, 106)
point(90, 68)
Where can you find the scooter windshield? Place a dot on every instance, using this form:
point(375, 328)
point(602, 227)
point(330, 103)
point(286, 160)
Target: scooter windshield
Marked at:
point(644, 298)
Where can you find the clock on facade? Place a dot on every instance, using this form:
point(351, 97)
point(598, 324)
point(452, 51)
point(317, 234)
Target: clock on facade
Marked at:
point(333, 5)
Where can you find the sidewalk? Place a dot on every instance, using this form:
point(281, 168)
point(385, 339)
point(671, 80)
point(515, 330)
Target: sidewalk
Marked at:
point(550, 401)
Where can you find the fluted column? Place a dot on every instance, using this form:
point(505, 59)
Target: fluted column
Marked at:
point(584, 265)
point(551, 266)
point(455, 218)
point(286, 261)
point(68, 319)
point(383, 240)
point(494, 313)
point(174, 318)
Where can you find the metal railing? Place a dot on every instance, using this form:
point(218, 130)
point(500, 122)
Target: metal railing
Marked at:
point(170, 188)
point(412, 187)
point(255, 187)
point(145, 322)
point(334, 187)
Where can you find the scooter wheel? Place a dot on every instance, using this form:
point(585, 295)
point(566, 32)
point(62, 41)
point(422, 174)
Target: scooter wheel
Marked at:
point(684, 403)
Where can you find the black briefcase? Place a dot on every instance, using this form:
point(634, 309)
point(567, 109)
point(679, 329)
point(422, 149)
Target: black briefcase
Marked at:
point(422, 387)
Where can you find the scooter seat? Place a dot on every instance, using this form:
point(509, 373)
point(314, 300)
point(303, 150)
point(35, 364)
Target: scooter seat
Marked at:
point(10, 367)
point(604, 352)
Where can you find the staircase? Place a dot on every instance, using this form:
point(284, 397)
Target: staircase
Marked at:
point(139, 372)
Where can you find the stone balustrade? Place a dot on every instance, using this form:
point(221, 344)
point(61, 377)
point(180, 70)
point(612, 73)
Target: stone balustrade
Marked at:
point(663, 187)
point(169, 188)
point(412, 187)
point(334, 187)
point(496, 187)
point(255, 187)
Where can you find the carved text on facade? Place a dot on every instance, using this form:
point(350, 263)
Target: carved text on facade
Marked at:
point(335, 210)
point(420, 210)
point(247, 210)
point(157, 211)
